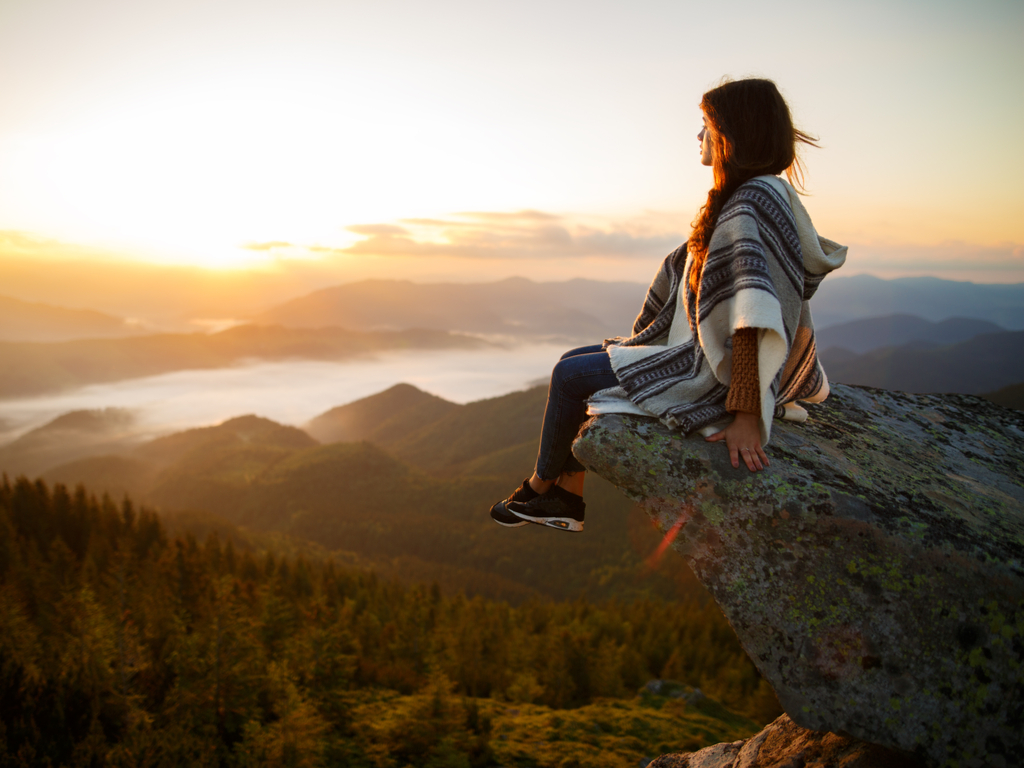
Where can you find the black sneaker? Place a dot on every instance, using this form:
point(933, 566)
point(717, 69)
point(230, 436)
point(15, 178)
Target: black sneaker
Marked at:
point(557, 508)
point(500, 513)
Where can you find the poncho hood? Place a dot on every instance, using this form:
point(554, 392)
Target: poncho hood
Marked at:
point(821, 255)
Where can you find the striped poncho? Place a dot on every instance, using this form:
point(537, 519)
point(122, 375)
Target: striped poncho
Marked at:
point(764, 263)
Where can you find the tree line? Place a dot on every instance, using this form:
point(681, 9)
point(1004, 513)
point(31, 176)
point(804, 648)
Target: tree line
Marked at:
point(120, 645)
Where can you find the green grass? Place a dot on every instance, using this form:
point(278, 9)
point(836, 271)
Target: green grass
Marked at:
point(605, 734)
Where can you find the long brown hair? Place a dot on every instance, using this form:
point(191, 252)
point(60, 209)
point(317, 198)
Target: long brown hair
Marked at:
point(751, 134)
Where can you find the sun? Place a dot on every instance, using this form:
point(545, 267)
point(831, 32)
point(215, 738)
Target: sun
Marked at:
point(194, 174)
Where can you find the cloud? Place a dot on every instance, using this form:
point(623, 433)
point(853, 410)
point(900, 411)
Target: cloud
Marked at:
point(538, 235)
point(949, 260)
point(269, 246)
point(12, 240)
point(378, 230)
point(947, 255)
point(436, 223)
point(500, 216)
point(15, 244)
point(509, 235)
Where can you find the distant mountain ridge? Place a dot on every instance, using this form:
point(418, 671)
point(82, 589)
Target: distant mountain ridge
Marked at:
point(494, 437)
point(862, 336)
point(982, 364)
point(574, 310)
point(69, 437)
point(383, 418)
point(241, 431)
point(579, 309)
point(589, 310)
point(412, 503)
point(334, 323)
point(33, 321)
point(35, 368)
point(842, 299)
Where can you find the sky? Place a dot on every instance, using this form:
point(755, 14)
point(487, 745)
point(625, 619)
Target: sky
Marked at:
point(478, 140)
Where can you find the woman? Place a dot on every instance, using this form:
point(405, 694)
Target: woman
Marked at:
point(724, 341)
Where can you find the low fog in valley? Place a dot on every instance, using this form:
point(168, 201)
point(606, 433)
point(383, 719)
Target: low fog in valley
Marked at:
point(290, 392)
point(291, 357)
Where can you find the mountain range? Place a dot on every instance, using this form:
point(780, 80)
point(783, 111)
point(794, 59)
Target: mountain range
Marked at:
point(979, 365)
point(69, 437)
point(860, 336)
point(33, 321)
point(842, 299)
point(401, 482)
point(33, 368)
point(573, 310)
point(587, 310)
point(913, 334)
point(406, 495)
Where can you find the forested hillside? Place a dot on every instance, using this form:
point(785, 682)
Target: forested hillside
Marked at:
point(407, 493)
point(68, 437)
point(122, 646)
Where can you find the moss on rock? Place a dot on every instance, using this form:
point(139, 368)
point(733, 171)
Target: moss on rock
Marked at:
point(874, 573)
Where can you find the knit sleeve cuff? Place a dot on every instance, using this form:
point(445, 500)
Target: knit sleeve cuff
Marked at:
point(744, 388)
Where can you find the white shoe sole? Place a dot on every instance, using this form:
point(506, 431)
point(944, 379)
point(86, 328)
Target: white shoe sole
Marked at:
point(517, 523)
point(560, 523)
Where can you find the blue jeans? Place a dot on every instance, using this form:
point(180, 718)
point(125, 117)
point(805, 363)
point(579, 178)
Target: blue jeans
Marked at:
point(580, 373)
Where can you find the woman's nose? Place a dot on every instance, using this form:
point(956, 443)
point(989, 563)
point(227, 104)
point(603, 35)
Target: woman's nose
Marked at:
point(700, 136)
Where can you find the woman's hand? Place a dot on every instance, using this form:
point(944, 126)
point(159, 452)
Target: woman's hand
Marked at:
point(743, 436)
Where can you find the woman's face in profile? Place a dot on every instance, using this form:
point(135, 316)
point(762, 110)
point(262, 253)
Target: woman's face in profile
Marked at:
point(705, 143)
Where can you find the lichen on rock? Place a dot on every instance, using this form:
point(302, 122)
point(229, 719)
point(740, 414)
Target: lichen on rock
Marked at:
point(874, 573)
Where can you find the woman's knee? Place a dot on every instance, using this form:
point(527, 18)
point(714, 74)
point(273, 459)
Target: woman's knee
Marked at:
point(582, 351)
point(560, 373)
point(578, 378)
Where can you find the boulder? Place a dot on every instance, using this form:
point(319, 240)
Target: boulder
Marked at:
point(874, 573)
point(784, 744)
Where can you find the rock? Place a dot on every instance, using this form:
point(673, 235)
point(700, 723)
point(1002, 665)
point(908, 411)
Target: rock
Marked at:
point(693, 697)
point(784, 744)
point(873, 573)
point(673, 690)
point(653, 686)
point(715, 756)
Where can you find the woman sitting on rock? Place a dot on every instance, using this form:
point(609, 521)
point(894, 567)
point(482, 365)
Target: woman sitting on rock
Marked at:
point(724, 341)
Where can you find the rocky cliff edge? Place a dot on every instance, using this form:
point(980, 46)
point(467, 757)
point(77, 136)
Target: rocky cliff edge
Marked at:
point(874, 573)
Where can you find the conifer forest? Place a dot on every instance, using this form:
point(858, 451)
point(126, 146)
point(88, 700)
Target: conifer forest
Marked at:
point(124, 645)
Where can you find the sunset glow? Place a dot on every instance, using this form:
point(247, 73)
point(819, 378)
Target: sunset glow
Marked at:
point(186, 133)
